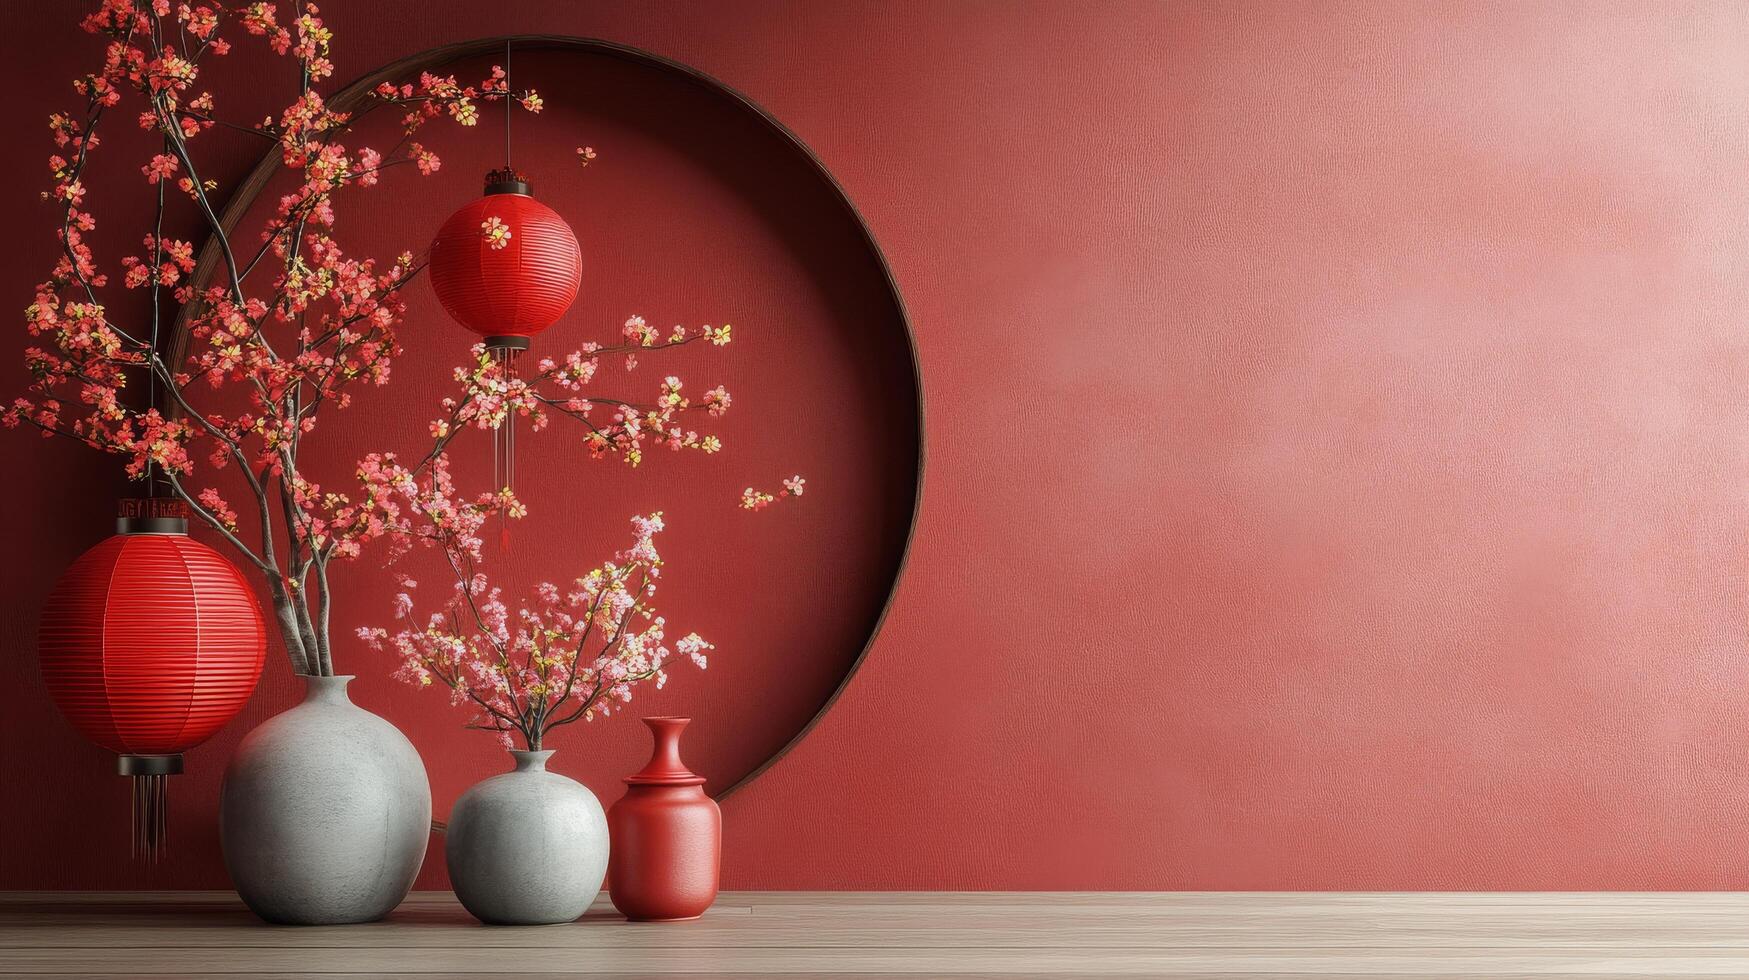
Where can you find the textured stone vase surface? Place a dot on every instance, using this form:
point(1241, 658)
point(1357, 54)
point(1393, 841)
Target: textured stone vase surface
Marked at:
point(527, 847)
point(325, 812)
point(667, 836)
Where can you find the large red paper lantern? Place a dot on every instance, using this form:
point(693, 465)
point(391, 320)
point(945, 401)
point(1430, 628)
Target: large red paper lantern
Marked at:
point(149, 644)
point(506, 266)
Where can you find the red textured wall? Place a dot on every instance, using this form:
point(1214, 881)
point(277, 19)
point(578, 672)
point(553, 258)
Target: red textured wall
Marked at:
point(1336, 460)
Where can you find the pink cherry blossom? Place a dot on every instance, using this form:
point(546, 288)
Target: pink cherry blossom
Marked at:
point(561, 656)
point(288, 326)
point(495, 232)
point(753, 499)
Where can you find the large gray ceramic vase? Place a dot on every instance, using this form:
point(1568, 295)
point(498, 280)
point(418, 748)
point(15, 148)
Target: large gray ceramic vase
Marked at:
point(325, 812)
point(527, 847)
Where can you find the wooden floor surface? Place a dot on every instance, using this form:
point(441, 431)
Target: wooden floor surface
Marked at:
point(821, 934)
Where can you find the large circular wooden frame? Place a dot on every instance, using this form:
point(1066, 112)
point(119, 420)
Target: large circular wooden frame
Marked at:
point(359, 92)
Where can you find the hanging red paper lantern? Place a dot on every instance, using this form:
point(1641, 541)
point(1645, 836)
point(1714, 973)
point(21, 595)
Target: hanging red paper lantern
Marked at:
point(150, 643)
point(506, 266)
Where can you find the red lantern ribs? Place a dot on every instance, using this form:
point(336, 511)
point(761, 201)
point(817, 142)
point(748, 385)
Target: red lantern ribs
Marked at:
point(150, 643)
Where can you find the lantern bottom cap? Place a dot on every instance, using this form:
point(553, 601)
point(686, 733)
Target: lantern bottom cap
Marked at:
point(507, 342)
point(149, 765)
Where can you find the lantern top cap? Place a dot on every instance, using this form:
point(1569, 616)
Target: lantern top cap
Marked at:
point(151, 515)
point(508, 181)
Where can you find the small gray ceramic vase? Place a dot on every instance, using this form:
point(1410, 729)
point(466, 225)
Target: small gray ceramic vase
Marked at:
point(325, 812)
point(527, 847)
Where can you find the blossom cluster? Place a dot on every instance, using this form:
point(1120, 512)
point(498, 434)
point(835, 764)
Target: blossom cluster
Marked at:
point(753, 499)
point(312, 323)
point(496, 233)
point(327, 319)
point(494, 392)
point(563, 655)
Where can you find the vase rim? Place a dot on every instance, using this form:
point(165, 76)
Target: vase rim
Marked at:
point(328, 688)
point(531, 760)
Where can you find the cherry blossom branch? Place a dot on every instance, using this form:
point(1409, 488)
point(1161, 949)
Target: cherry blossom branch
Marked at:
point(221, 527)
point(338, 317)
point(548, 669)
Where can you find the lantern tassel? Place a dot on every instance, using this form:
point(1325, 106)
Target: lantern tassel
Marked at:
point(150, 812)
point(504, 450)
point(150, 778)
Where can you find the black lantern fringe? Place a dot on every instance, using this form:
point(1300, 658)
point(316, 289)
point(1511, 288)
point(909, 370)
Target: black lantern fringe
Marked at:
point(150, 776)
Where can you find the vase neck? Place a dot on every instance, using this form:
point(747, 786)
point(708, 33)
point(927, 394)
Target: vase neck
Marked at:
point(326, 690)
point(665, 766)
point(531, 761)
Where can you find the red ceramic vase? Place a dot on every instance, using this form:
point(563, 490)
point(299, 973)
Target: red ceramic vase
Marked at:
point(667, 837)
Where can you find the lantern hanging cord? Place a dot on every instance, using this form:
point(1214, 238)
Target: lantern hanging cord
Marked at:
point(507, 106)
point(152, 353)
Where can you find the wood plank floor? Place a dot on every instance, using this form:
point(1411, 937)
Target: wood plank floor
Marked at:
point(824, 934)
